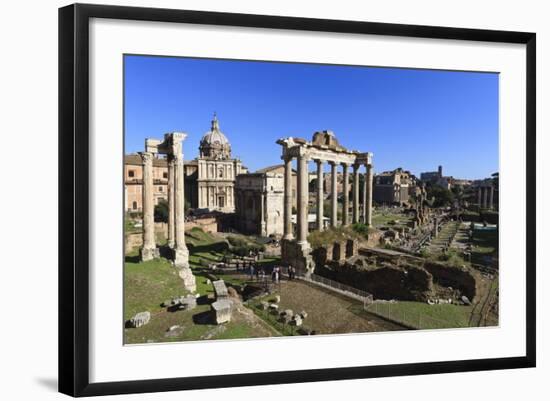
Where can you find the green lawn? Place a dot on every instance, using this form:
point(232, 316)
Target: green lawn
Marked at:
point(380, 218)
point(423, 316)
point(485, 245)
point(148, 284)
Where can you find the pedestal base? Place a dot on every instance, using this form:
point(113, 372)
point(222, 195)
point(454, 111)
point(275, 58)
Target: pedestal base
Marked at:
point(299, 256)
point(148, 254)
point(188, 279)
point(181, 258)
point(181, 263)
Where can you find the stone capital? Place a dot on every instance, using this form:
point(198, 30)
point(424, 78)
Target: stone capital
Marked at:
point(286, 158)
point(146, 157)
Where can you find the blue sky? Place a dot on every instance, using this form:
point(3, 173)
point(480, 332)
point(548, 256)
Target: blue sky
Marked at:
point(415, 119)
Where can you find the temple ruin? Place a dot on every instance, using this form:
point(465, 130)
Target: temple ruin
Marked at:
point(485, 194)
point(324, 147)
point(172, 147)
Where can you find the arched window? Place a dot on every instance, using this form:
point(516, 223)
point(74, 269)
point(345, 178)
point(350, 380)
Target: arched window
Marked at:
point(134, 205)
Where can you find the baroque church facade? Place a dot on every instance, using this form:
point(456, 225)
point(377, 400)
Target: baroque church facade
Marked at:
point(217, 171)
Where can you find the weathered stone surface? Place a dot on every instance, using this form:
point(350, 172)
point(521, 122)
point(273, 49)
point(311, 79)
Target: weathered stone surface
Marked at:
point(222, 311)
point(174, 331)
point(188, 279)
point(140, 319)
point(273, 306)
point(286, 315)
point(189, 302)
point(264, 305)
point(220, 289)
point(465, 299)
point(232, 292)
point(297, 320)
point(303, 314)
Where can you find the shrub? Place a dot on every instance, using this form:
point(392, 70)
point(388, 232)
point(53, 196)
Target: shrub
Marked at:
point(236, 241)
point(361, 228)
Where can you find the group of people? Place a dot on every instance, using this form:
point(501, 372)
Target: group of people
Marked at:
point(259, 273)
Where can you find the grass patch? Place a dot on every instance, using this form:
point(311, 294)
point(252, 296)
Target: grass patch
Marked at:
point(423, 316)
point(333, 234)
point(148, 284)
point(383, 218)
point(485, 245)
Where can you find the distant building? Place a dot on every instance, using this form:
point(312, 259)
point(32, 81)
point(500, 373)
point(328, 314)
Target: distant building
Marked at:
point(394, 187)
point(437, 178)
point(133, 182)
point(432, 175)
point(259, 203)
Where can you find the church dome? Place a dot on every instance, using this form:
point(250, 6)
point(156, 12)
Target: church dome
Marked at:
point(215, 135)
point(214, 144)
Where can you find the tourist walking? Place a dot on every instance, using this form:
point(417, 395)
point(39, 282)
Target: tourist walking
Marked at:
point(251, 271)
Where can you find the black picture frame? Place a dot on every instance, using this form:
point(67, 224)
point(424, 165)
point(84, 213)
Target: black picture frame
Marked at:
point(74, 201)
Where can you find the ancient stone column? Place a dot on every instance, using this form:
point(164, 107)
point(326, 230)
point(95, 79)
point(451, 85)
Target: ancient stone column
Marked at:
point(364, 196)
point(485, 197)
point(491, 194)
point(345, 209)
point(479, 196)
point(320, 198)
point(333, 195)
point(368, 183)
point(149, 249)
point(288, 199)
point(303, 192)
point(171, 202)
point(263, 223)
point(181, 254)
point(356, 193)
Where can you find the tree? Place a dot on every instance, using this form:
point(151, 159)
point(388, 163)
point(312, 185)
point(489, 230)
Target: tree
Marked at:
point(441, 196)
point(161, 211)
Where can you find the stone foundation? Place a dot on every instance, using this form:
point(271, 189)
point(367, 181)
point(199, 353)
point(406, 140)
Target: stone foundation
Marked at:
point(389, 274)
point(295, 255)
point(146, 254)
point(188, 279)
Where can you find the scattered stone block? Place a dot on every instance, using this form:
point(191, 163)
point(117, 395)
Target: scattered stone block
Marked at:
point(264, 305)
point(222, 311)
point(220, 289)
point(297, 320)
point(189, 302)
point(232, 292)
point(303, 314)
point(140, 319)
point(465, 299)
point(274, 307)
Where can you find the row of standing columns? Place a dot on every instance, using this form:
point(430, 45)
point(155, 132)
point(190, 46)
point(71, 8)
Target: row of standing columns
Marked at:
point(485, 196)
point(303, 196)
point(176, 214)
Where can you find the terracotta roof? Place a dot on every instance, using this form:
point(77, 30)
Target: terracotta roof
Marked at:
point(271, 168)
point(135, 160)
